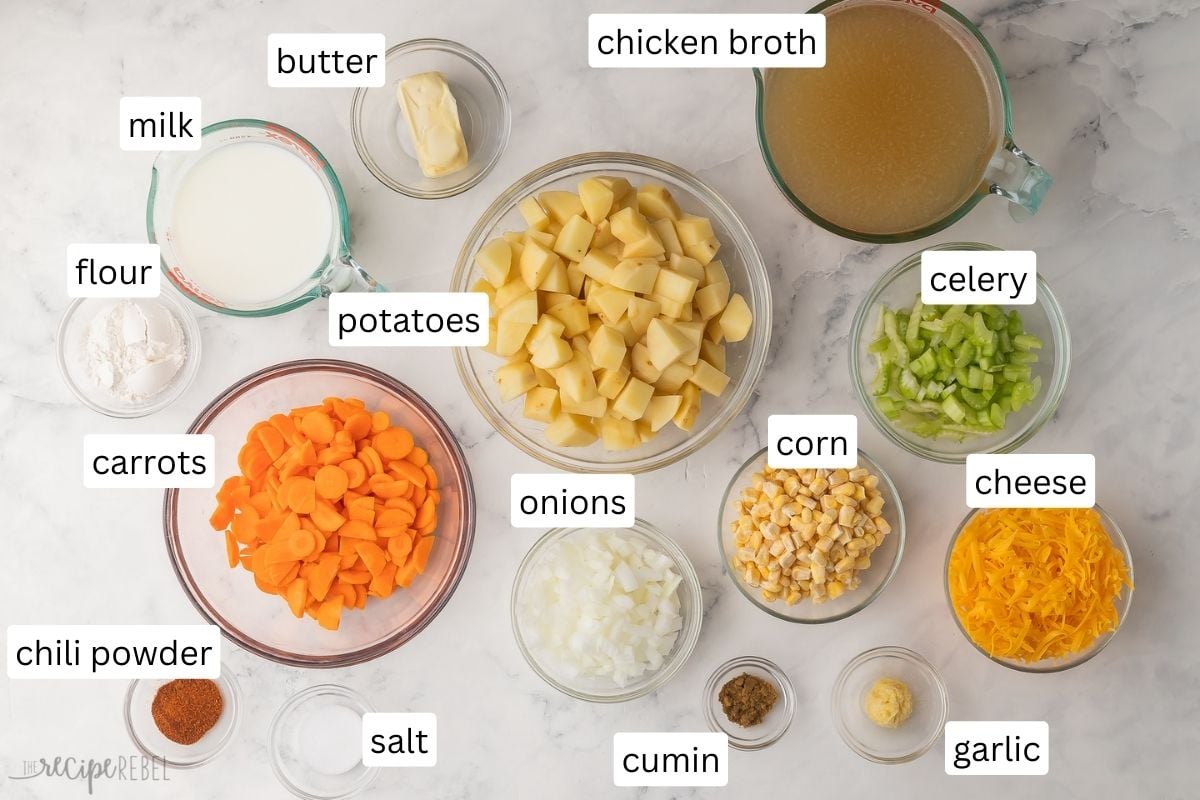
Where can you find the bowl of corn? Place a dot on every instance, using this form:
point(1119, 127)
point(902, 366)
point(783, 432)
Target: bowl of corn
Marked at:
point(807, 545)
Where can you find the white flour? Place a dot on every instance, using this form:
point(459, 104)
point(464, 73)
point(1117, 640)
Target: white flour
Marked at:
point(134, 349)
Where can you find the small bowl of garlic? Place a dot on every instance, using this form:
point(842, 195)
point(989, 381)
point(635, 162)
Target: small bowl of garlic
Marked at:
point(811, 545)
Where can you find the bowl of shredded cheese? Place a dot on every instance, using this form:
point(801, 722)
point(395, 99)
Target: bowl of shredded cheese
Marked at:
point(1039, 589)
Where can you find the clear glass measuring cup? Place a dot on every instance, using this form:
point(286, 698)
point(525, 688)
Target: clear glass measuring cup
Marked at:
point(1011, 173)
point(337, 272)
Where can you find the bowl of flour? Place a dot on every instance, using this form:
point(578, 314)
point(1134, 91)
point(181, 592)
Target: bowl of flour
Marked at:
point(128, 357)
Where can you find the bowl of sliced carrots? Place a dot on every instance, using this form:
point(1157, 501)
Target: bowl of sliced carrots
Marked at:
point(341, 522)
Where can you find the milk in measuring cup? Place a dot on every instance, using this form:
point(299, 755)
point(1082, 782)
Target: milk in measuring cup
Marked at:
point(251, 223)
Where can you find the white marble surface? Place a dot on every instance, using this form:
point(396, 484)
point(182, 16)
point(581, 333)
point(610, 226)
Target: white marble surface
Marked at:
point(1104, 94)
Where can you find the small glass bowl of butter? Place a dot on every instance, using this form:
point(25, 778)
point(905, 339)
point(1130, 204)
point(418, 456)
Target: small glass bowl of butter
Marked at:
point(416, 150)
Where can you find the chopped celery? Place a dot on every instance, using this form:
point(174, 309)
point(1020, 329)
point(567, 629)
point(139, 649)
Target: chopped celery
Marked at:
point(953, 371)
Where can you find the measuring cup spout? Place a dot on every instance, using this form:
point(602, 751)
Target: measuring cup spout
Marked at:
point(1014, 175)
point(344, 274)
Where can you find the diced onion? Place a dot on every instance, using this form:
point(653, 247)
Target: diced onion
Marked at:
point(601, 605)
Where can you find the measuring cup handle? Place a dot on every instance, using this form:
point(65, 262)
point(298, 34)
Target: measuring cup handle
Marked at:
point(344, 274)
point(1014, 175)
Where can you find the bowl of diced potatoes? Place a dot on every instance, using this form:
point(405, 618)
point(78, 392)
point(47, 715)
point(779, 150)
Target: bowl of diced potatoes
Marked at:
point(630, 313)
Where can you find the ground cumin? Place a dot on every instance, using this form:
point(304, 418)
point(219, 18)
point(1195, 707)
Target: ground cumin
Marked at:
point(747, 699)
point(185, 710)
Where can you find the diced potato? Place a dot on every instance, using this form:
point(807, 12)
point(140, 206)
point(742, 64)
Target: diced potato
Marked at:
point(575, 238)
point(689, 407)
point(580, 345)
point(704, 251)
point(556, 280)
point(709, 378)
point(536, 262)
point(666, 343)
point(597, 199)
point(644, 431)
point(629, 226)
point(636, 275)
point(665, 229)
point(641, 311)
point(495, 260)
point(551, 352)
point(535, 216)
point(490, 347)
point(544, 238)
point(487, 288)
point(713, 353)
point(545, 379)
point(612, 303)
point(511, 291)
point(711, 299)
point(573, 315)
point(523, 309)
point(515, 380)
point(656, 202)
point(612, 381)
point(632, 401)
point(595, 408)
point(649, 246)
point(520, 356)
point(603, 235)
point(673, 378)
point(688, 266)
point(575, 380)
point(607, 348)
point(694, 331)
point(571, 430)
point(660, 410)
point(542, 404)
point(548, 300)
point(575, 278)
point(692, 229)
point(561, 206)
point(712, 330)
point(675, 286)
point(510, 337)
point(714, 272)
point(599, 266)
point(641, 366)
point(621, 187)
point(619, 434)
point(615, 248)
point(672, 309)
point(736, 319)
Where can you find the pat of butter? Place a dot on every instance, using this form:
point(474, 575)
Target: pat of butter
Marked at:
point(432, 115)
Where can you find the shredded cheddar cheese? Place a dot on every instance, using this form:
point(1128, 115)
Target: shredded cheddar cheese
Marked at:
point(1036, 583)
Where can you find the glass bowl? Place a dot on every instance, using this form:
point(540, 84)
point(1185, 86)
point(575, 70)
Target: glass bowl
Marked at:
point(1123, 602)
point(598, 690)
point(778, 719)
point(262, 623)
point(72, 335)
point(149, 740)
point(900, 286)
point(885, 560)
point(381, 134)
point(745, 359)
point(931, 705)
point(287, 751)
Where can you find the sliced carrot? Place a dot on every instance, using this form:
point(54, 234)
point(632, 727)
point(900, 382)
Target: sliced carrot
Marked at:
point(357, 529)
point(335, 455)
point(426, 514)
point(431, 481)
point(356, 472)
point(400, 517)
point(418, 496)
point(371, 460)
point(231, 549)
point(302, 496)
point(297, 596)
point(372, 555)
point(360, 595)
point(332, 482)
point(393, 443)
point(406, 575)
point(380, 421)
point(343, 410)
point(329, 614)
point(346, 590)
point(222, 518)
point(399, 548)
point(301, 544)
point(384, 583)
point(412, 473)
point(358, 425)
point(271, 441)
point(418, 457)
point(317, 425)
point(421, 551)
point(353, 576)
point(321, 578)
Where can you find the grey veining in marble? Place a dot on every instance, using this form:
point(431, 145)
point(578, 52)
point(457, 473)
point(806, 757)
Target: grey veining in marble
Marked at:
point(1105, 95)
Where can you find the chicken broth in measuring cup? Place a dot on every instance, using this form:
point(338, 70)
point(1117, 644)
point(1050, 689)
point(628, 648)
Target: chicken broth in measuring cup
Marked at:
point(896, 131)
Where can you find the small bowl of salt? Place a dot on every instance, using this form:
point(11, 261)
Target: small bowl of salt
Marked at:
point(315, 743)
point(128, 357)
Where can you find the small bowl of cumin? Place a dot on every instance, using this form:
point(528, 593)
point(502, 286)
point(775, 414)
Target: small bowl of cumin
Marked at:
point(751, 701)
point(183, 723)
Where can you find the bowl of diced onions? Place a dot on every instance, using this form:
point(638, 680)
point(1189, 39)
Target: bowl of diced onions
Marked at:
point(606, 615)
point(792, 554)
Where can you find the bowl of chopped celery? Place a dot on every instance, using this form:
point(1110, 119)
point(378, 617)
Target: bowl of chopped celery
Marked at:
point(963, 379)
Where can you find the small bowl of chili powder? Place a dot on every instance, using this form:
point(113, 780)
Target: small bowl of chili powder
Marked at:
point(751, 701)
point(183, 723)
